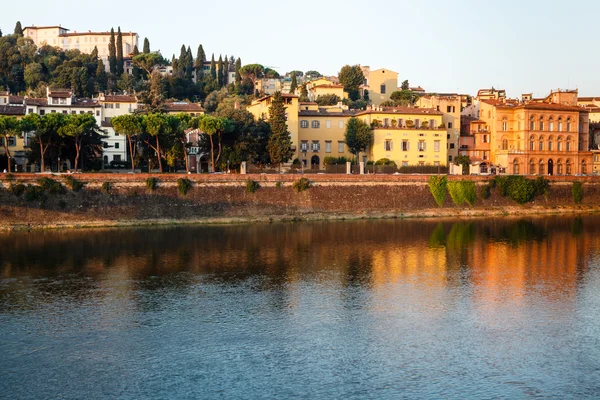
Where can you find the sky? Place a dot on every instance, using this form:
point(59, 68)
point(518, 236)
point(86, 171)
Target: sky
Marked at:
point(444, 46)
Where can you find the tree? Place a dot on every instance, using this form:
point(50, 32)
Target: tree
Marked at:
point(351, 77)
point(155, 125)
point(358, 136)
point(101, 78)
point(45, 130)
point(9, 127)
point(199, 63)
point(280, 143)
point(213, 67)
point(18, 29)
point(129, 125)
point(328, 99)
point(0, 32)
point(312, 75)
point(33, 74)
point(120, 68)
point(112, 53)
point(220, 73)
point(464, 161)
point(210, 126)
point(78, 126)
point(294, 83)
point(404, 85)
point(147, 61)
point(238, 66)
point(146, 48)
point(177, 127)
point(252, 72)
point(404, 97)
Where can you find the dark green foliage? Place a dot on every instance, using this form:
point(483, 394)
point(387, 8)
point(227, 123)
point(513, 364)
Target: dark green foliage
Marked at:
point(18, 29)
point(358, 135)
point(252, 186)
point(74, 184)
point(35, 193)
point(112, 53)
point(463, 161)
point(351, 77)
point(329, 160)
point(17, 188)
point(521, 189)
point(301, 185)
point(280, 143)
point(462, 192)
point(485, 191)
point(119, 53)
point(294, 83)
point(577, 191)
point(385, 161)
point(542, 186)
point(278, 185)
point(146, 48)
point(51, 186)
point(151, 183)
point(106, 187)
point(328, 100)
point(183, 186)
point(62, 204)
point(437, 187)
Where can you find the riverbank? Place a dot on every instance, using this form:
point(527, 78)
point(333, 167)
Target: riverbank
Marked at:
point(111, 200)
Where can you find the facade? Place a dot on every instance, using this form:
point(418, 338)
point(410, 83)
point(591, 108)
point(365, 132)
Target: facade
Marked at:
point(321, 134)
point(450, 107)
point(380, 84)
point(547, 136)
point(325, 89)
point(115, 145)
point(406, 135)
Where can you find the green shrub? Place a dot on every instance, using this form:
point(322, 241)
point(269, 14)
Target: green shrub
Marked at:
point(329, 160)
point(278, 185)
point(51, 186)
point(17, 188)
point(35, 193)
point(62, 204)
point(183, 186)
point(252, 186)
point(385, 161)
point(74, 184)
point(106, 187)
point(151, 184)
point(301, 185)
point(469, 192)
point(456, 192)
point(437, 187)
point(485, 191)
point(577, 191)
point(521, 189)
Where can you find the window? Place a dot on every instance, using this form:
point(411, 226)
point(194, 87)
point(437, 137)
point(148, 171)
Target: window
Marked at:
point(65, 112)
point(30, 110)
point(340, 147)
point(387, 145)
point(451, 146)
point(328, 146)
point(421, 145)
point(42, 112)
point(559, 146)
point(340, 124)
point(516, 169)
point(405, 163)
point(504, 126)
point(117, 157)
point(449, 125)
point(532, 167)
point(405, 145)
point(328, 124)
point(316, 146)
point(316, 124)
point(551, 125)
point(568, 167)
point(116, 145)
point(550, 140)
point(504, 144)
point(304, 146)
point(12, 141)
point(303, 123)
point(559, 167)
point(541, 146)
point(449, 109)
point(97, 113)
point(541, 125)
point(568, 144)
point(81, 112)
point(382, 89)
point(54, 100)
point(583, 167)
point(569, 125)
point(117, 105)
point(560, 126)
point(436, 146)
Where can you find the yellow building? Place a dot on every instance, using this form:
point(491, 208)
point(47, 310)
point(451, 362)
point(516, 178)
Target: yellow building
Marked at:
point(380, 84)
point(321, 133)
point(12, 106)
point(406, 135)
point(260, 110)
point(326, 89)
point(548, 136)
point(450, 107)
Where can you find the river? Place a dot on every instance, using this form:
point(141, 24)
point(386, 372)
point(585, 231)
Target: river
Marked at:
point(496, 308)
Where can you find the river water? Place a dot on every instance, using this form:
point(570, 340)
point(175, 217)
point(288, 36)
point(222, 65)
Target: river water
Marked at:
point(500, 308)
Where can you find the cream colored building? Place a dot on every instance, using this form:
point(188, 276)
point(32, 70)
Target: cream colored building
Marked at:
point(380, 84)
point(326, 89)
point(85, 42)
point(450, 106)
point(406, 135)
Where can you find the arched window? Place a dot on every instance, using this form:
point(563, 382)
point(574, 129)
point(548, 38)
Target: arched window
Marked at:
point(559, 167)
point(504, 144)
point(569, 145)
point(542, 123)
point(532, 123)
point(569, 124)
point(583, 167)
point(542, 167)
point(559, 145)
point(550, 143)
point(516, 169)
point(518, 142)
point(532, 167)
point(580, 125)
point(560, 124)
point(505, 124)
point(551, 124)
point(541, 142)
point(568, 171)
point(532, 142)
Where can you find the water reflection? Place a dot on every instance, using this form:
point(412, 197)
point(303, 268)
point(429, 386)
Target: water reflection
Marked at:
point(396, 308)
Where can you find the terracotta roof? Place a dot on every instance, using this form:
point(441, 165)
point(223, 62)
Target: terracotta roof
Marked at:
point(60, 93)
point(323, 113)
point(16, 99)
point(3, 93)
point(95, 33)
point(284, 95)
point(120, 99)
point(588, 99)
point(83, 103)
point(307, 102)
point(402, 110)
point(36, 102)
point(46, 27)
point(184, 107)
point(12, 110)
point(553, 106)
point(332, 86)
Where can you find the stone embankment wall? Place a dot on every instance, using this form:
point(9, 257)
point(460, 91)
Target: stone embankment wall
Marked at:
point(224, 198)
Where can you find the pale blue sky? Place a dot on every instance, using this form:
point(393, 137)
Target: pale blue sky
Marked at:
point(444, 46)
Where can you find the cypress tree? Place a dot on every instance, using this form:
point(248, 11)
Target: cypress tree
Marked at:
point(135, 70)
point(120, 68)
point(180, 62)
point(112, 53)
point(18, 29)
point(0, 32)
point(94, 53)
point(101, 80)
point(199, 64)
point(225, 71)
point(146, 48)
point(280, 143)
point(189, 63)
point(238, 66)
point(220, 79)
point(213, 67)
point(294, 84)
